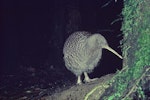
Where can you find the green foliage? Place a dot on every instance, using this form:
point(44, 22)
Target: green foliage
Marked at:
point(136, 30)
point(140, 93)
point(136, 49)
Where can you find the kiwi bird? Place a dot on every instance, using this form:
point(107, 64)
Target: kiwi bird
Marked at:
point(82, 52)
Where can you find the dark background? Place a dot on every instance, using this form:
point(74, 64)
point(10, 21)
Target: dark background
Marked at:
point(34, 32)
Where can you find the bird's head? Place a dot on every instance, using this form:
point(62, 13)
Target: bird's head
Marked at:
point(97, 41)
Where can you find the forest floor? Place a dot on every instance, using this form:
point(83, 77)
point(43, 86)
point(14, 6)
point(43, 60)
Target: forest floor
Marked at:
point(78, 92)
point(34, 87)
point(37, 87)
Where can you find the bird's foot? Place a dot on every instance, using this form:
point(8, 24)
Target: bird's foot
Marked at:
point(87, 79)
point(90, 80)
point(79, 83)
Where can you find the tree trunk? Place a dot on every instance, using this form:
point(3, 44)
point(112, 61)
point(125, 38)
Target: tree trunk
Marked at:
point(131, 82)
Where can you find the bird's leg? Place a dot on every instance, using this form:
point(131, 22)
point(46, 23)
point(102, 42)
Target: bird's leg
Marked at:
point(87, 79)
point(79, 82)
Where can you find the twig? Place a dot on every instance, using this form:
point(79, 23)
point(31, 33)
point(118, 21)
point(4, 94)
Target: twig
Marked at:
point(134, 87)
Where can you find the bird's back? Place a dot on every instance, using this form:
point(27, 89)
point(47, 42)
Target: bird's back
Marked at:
point(75, 41)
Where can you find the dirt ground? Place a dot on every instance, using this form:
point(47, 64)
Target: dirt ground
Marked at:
point(28, 88)
point(78, 92)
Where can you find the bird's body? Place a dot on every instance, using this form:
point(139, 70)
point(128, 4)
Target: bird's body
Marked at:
point(82, 52)
point(77, 55)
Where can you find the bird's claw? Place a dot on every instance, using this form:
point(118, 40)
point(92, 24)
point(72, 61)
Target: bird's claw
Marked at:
point(87, 80)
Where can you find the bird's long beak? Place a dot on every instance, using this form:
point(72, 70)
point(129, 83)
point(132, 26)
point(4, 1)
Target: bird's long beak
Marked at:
point(113, 51)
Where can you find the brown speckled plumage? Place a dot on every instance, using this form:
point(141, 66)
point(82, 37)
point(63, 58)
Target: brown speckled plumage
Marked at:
point(82, 51)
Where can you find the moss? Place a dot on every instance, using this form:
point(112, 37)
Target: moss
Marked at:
point(135, 49)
